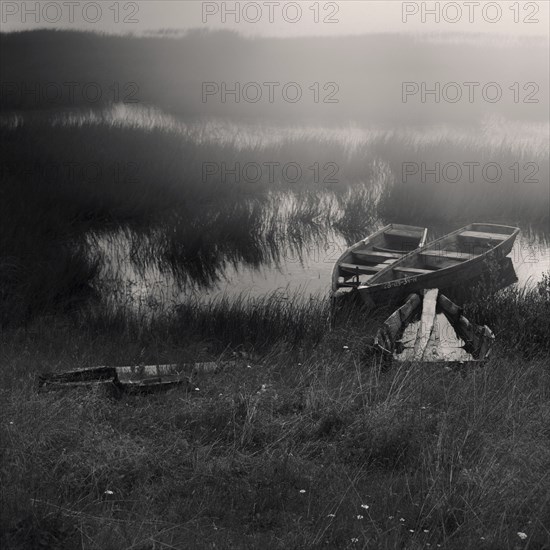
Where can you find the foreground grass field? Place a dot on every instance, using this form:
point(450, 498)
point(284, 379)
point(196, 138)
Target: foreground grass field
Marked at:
point(306, 442)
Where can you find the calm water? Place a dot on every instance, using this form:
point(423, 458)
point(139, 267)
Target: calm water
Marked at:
point(308, 274)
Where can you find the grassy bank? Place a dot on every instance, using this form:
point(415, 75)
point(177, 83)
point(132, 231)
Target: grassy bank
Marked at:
point(306, 442)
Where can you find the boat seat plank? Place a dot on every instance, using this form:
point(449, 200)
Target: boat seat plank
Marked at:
point(403, 233)
point(373, 256)
point(356, 268)
point(483, 235)
point(449, 255)
point(413, 270)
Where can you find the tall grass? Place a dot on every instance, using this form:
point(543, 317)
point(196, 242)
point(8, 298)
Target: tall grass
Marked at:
point(520, 315)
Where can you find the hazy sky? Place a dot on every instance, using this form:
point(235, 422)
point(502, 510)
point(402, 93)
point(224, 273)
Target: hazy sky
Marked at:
point(281, 17)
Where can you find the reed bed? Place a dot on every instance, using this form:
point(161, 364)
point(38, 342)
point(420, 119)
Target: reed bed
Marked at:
point(150, 182)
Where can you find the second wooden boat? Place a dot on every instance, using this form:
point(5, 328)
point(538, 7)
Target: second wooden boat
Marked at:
point(138, 378)
point(444, 263)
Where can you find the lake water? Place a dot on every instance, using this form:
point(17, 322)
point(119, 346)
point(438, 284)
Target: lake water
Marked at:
point(305, 268)
point(309, 274)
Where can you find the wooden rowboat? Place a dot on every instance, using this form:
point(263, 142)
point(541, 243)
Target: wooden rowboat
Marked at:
point(444, 263)
point(429, 328)
point(375, 253)
point(138, 378)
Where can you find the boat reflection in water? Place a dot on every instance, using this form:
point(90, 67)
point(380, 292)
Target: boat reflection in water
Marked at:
point(499, 275)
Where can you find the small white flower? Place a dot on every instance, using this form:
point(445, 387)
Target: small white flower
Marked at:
point(411, 530)
point(109, 492)
point(426, 530)
point(522, 536)
point(401, 519)
point(365, 506)
point(345, 347)
point(390, 517)
point(354, 540)
point(197, 389)
point(359, 517)
point(331, 516)
point(302, 490)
